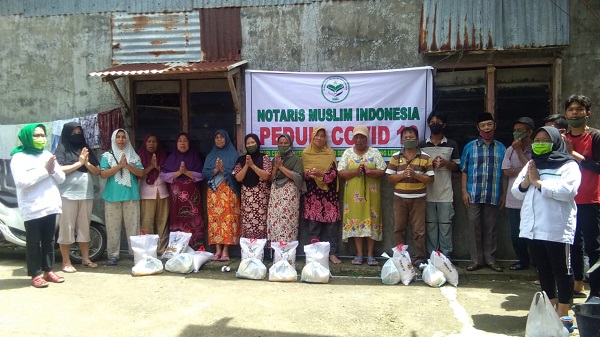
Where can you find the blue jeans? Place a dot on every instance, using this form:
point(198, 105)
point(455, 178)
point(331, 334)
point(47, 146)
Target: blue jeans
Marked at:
point(438, 220)
point(519, 244)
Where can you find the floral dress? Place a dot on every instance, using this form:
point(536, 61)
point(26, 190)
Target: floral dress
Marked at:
point(223, 208)
point(284, 211)
point(321, 205)
point(186, 210)
point(255, 200)
point(362, 196)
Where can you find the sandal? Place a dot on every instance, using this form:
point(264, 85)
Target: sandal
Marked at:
point(473, 266)
point(372, 262)
point(69, 269)
point(39, 282)
point(216, 257)
point(495, 267)
point(579, 294)
point(224, 258)
point(112, 261)
point(52, 277)
point(357, 261)
point(90, 264)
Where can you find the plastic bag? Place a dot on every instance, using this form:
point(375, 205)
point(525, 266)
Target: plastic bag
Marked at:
point(200, 258)
point(178, 242)
point(182, 263)
point(253, 248)
point(143, 245)
point(433, 276)
point(443, 264)
point(251, 268)
point(319, 252)
point(542, 320)
point(284, 250)
point(389, 271)
point(283, 271)
point(147, 266)
point(314, 272)
point(404, 264)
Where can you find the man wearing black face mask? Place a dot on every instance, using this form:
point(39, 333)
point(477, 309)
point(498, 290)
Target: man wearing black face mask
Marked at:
point(482, 192)
point(583, 143)
point(440, 209)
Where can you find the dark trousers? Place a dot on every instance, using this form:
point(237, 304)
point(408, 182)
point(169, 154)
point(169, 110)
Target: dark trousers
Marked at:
point(519, 244)
point(483, 234)
point(39, 234)
point(552, 262)
point(587, 235)
point(332, 228)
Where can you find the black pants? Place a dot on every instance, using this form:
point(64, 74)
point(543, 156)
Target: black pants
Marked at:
point(39, 234)
point(587, 235)
point(332, 229)
point(552, 262)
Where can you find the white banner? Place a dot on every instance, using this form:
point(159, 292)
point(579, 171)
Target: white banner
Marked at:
point(385, 101)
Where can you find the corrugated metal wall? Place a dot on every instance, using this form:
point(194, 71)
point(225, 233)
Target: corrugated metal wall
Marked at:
point(449, 25)
point(221, 34)
point(48, 8)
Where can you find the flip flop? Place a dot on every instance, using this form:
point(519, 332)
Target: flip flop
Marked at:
point(224, 258)
point(357, 261)
point(216, 257)
point(371, 261)
point(90, 265)
point(69, 269)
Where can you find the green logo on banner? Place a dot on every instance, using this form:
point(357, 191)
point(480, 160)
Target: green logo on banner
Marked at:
point(335, 89)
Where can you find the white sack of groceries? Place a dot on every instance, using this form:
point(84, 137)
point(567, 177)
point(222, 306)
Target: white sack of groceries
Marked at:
point(316, 269)
point(405, 267)
point(182, 264)
point(251, 266)
point(143, 245)
point(178, 242)
point(147, 266)
point(284, 250)
point(390, 272)
point(433, 276)
point(443, 264)
point(283, 271)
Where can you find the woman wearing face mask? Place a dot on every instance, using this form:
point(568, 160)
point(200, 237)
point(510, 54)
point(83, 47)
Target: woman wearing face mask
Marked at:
point(183, 170)
point(37, 174)
point(288, 183)
point(121, 166)
point(321, 200)
point(253, 170)
point(77, 192)
point(154, 194)
point(222, 196)
point(547, 185)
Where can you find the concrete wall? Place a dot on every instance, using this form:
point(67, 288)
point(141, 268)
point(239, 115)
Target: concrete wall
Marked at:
point(46, 61)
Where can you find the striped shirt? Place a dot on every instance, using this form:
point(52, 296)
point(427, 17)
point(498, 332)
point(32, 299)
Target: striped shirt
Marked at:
point(483, 165)
point(410, 187)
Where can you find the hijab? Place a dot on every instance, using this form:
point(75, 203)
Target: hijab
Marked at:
point(292, 162)
point(69, 149)
point(321, 158)
point(251, 179)
point(558, 156)
point(228, 155)
point(146, 158)
point(113, 156)
point(192, 160)
point(26, 138)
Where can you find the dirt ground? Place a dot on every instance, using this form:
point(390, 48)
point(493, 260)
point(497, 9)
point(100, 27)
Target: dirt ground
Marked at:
point(108, 301)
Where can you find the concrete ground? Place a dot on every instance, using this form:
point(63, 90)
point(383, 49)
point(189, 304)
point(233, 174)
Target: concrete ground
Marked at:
point(108, 301)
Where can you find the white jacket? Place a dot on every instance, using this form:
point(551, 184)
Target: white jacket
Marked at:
point(37, 190)
point(549, 214)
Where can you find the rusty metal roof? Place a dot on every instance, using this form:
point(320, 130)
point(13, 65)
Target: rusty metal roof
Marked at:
point(168, 68)
point(451, 25)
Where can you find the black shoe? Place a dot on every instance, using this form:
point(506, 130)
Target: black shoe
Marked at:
point(518, 266)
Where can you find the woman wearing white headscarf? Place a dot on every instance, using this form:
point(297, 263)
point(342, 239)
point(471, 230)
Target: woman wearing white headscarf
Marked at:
point(120, 167)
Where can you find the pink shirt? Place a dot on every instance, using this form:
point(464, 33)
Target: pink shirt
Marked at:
point(150, 191)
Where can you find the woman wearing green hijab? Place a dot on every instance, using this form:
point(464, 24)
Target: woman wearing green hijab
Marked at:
point(37, 175)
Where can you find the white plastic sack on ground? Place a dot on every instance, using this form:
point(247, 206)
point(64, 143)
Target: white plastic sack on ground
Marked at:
point(433, 276)
point(314, 272)
point(143, 245)
point(405, 267)
point(251, 268)
point(284, 250)
point(542, 320)
point(441, 262)
point(389, 272)
point(178, 242)
point(182, 263)
point(147, 266)
point(253, 248)
point(283, 271)
point(200, 258)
